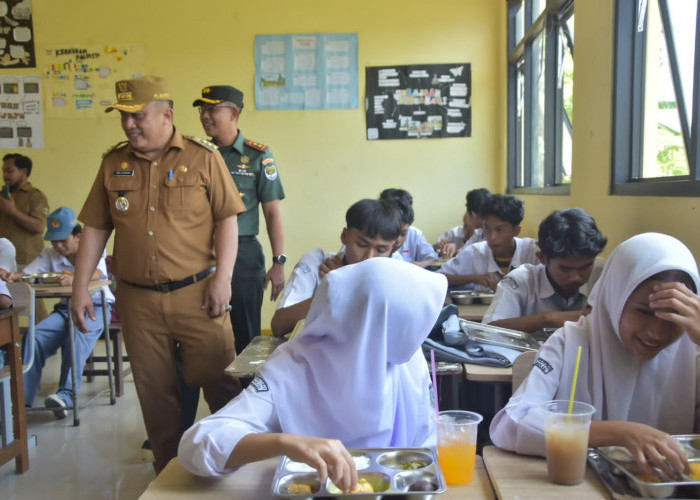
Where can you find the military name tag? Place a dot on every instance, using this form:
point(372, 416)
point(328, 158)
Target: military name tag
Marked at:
point(122, 204)
point(124, 172)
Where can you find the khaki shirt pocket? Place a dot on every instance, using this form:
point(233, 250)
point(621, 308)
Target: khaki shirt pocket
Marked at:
point(121, 188)
point(181, 190)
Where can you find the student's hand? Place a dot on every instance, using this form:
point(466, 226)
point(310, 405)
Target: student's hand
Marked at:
point(80, 305)
point(65, 279)
point(4, 274)
point(446, 250)
point(13, 276)
point(217, 295)
point(328, 456)
point(676, 303)
point(330, 264)
point(276, 276)
point(653, 448)
point(489, 280)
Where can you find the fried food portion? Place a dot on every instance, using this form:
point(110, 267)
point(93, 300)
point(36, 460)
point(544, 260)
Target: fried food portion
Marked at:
point(363, 487)
point(299, 489)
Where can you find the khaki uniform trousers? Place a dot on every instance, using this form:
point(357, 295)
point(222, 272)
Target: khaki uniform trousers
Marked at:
point(153, 322)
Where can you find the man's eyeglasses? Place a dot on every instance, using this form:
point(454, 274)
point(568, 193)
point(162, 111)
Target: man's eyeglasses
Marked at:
point(209, 108)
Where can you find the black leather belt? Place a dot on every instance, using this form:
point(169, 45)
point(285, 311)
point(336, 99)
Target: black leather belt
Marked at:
point(171, 286)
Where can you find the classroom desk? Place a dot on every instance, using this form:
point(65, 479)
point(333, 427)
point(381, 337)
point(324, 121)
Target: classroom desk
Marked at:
point(10, 338)
point(472, 312)
point(254, 482)
point(498, 376)
point(51, 292)
point(518, 476)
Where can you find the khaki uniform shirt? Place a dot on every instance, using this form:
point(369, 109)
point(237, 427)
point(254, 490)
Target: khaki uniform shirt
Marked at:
point(31, 201)
point(163, 212)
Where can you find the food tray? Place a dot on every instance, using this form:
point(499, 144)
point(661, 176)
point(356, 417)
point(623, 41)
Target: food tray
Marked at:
point(495, 335)
point(384, 468)
point(42, 279)
point(466, 297)
point(623, 477)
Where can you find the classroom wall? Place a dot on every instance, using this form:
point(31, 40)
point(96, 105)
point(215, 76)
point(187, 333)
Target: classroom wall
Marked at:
point(325, 161)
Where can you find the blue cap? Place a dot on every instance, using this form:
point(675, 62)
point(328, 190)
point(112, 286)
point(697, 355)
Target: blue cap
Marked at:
point(60, 224)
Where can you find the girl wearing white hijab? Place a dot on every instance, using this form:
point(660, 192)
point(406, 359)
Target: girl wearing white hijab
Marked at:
point(354, 377)
point(639, 359)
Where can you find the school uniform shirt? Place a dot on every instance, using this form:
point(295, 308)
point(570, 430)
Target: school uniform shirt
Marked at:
point(4, 290)
point(527, 290)
point(372, 335)
point(50, 261)
point(478, 259)
point(8, 261)
point(454, 235)
point(476, 237)
point(305, 278)
point(416, 248)
point(663, 392)
point(32, 202)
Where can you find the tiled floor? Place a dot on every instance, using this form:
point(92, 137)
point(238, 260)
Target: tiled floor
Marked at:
point(100, 459)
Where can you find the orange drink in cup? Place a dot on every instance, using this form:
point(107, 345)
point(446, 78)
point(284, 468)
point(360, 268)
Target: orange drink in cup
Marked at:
point(566, 437)
point(457, 445)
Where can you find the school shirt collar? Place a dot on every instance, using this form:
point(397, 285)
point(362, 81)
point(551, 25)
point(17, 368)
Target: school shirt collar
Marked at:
point(545, 289)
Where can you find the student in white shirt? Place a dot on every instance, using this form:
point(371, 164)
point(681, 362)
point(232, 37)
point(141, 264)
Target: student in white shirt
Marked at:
point(469, 232)
point(51, 334)
point(371, 226)
point(639, 359)
point(411, 245)
point(8, 262)
point(482, 265)
point(354, 377)
point(532, 297)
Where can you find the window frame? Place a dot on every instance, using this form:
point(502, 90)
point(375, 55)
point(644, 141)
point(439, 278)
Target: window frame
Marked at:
point(520, 51)
point(628, 107)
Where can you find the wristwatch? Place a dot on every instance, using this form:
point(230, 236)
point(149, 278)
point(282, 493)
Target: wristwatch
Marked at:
point(279, 259)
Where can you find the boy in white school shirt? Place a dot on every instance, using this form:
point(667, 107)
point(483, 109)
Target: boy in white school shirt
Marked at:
point(533, 297)
point(482, 265)
point(51, 334)
point(469, 232)
point(411, 245)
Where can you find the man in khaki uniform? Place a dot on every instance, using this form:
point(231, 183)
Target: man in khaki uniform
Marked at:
point(173, 206)
point(23, 210)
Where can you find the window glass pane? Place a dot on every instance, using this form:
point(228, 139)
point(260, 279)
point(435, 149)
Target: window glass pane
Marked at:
point(537, 114)
point(537, 9)
point(566, 83)
point(519, 129)
point(664, 152)
point(682, 15)
point(519, 23)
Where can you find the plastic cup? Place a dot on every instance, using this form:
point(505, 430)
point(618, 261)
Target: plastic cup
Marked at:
point(566, 437)
point(457, 445)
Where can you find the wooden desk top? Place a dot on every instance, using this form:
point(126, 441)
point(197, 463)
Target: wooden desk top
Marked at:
point(52, 291)
point(254, 355)
point(472, 312)
point(481, 373)
point(518, 476)
point(254, 482)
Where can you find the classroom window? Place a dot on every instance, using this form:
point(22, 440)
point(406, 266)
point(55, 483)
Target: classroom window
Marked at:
point(540, 95)
point(655, 107)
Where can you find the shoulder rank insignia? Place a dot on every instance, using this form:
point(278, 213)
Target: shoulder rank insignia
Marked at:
point(256, 145)
point(112, 149)
point(203, 142)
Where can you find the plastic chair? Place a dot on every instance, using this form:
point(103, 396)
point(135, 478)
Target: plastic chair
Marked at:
point(522, 366)
point(23, 303)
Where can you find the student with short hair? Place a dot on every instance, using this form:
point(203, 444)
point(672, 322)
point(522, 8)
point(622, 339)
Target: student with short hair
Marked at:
point(371, 227)
point(532, 297)
point(469, 232)
point(481, 265)
point(638, 365)
point(411, 245)
point(354, 377)
point(51, 334)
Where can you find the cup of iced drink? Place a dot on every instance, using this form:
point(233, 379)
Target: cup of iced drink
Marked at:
point(457, 445)
point(566, 438)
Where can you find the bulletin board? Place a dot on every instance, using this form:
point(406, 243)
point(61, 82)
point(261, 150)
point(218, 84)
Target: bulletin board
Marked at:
point(16, 34)
point(21, 117)
point(418, 101)
point(79, 80)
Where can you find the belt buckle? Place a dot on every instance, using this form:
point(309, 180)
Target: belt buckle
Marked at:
point(162, 287)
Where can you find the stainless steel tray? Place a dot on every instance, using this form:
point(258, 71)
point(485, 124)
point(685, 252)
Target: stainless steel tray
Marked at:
point(495, 335)
point(623, 477)
point(42, 279)
point(384, 468)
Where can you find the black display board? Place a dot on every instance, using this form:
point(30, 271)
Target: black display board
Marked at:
point(418, 101)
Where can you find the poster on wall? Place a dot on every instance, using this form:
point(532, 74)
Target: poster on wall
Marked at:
point(419, 101)
point(306, 71)
point(21, 118)
point(79, 80)
point(16, 34)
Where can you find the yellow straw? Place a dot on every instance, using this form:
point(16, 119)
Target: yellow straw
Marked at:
point(573, 384)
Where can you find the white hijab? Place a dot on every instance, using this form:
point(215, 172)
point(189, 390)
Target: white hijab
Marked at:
point(659, 392)
point(355, 371)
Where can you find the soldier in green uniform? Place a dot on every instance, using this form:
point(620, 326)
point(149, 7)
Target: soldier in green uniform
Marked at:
point(254, 171)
